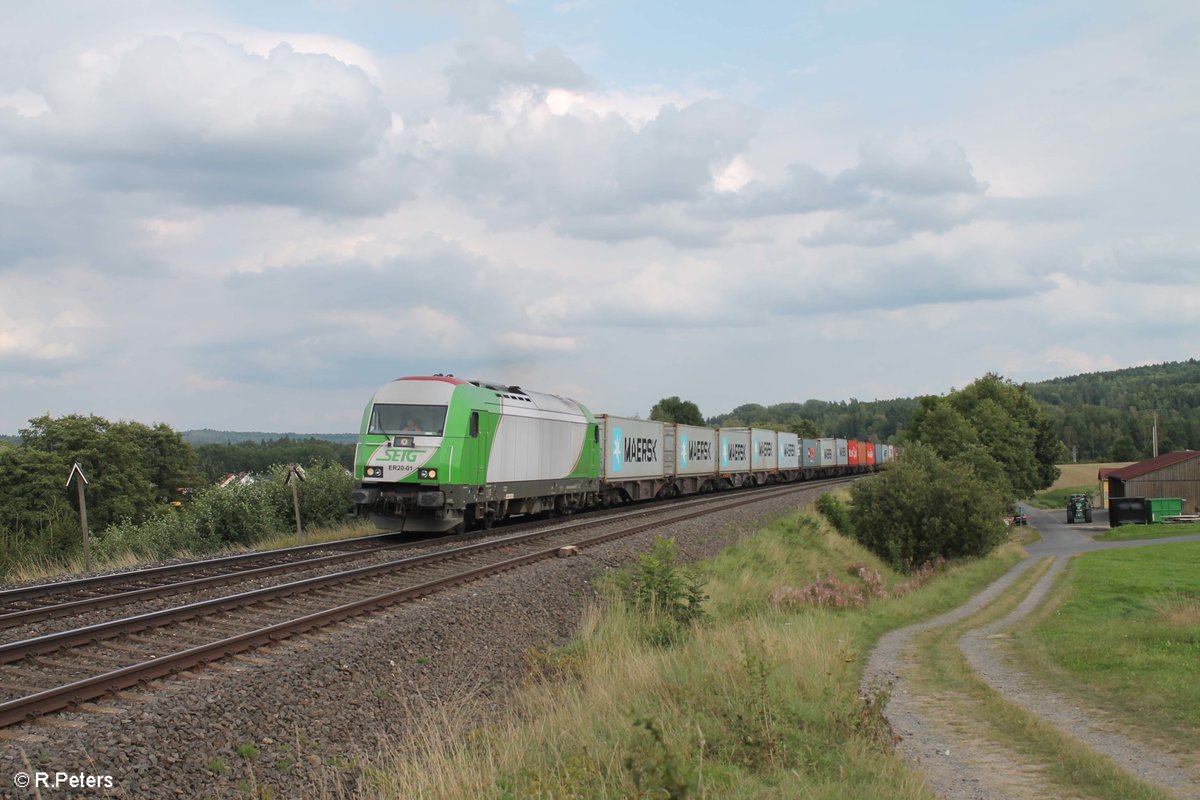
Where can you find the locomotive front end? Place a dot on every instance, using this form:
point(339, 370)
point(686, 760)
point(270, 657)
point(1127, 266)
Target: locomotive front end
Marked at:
point(406, 456)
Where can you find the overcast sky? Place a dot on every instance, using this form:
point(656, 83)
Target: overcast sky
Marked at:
point(251, 215)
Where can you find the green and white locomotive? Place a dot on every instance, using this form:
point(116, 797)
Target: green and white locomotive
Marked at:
point(440, 454)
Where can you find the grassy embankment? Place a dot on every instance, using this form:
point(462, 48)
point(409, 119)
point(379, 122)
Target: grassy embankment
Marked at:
point(760, 700)
point(1122, 631)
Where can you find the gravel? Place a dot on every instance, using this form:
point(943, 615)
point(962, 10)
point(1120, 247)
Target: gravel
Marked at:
point(302, 716)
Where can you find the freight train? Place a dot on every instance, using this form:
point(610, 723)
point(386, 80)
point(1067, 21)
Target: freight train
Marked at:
point(440, 454)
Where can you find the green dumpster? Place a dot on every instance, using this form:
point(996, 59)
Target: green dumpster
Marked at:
point(1161, 507)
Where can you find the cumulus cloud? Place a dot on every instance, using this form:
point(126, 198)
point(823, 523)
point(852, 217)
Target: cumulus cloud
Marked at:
point(491, 60)
point(595, 175)
point(898, 188)
point(199, 117)
point(907, 166)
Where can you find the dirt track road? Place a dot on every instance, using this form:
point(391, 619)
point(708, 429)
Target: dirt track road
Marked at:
point(960, 766)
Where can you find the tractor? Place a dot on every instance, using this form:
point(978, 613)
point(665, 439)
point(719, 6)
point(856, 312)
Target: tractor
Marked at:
point(1079, 508)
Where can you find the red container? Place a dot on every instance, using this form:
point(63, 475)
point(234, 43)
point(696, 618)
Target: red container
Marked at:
point(870, 454)
point(852, 452)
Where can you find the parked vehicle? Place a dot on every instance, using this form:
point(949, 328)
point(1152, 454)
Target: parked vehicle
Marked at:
point(1079, 508)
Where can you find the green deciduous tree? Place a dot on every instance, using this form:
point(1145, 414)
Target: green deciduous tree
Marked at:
point(132, 471)
point(672, 409)
point(992, 418)
point(925, 507)
point(804, 428)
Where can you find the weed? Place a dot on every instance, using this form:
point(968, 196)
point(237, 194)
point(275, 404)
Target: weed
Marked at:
point(826, 591)
point(216, 766)
point(1178, 609)
point(658, 586)
point(553, 664)
point(651, 764)
point(247, 751)
point(866, 719)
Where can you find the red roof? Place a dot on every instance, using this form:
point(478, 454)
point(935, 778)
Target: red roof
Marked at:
point(1153, 464)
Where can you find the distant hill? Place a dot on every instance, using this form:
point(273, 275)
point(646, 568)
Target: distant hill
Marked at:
point(209, 436)
point(1100, 416)
point(1109, 416)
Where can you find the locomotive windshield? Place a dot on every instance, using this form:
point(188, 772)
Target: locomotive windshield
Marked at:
point(390, 418)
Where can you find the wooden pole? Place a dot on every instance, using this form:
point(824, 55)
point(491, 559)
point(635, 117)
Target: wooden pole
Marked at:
point(296, 505)
point(87, 548)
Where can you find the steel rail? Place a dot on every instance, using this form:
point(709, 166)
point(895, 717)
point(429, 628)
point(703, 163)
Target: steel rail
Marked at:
point(26, 593)
point(71, 695)
point(41, 613)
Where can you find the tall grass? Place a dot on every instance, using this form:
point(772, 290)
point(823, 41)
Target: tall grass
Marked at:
point(757, 701)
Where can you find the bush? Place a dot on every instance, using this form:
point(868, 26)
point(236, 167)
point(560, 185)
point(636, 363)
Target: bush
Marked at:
point(834, 510)
point(242, 515)
point(668, 597)
point(925, 508)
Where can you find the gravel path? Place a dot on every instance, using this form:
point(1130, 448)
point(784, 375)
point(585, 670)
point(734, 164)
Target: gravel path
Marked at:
point(985, 652)
point(959, 766)
point(299, 719)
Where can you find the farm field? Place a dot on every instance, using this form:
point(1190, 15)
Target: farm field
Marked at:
point(1083, 474)
point(1075, 479)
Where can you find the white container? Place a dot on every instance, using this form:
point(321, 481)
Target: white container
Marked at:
point(789, 451)
point(695, 450)
point(630, 448)
point(764, 450)
point(733, 445)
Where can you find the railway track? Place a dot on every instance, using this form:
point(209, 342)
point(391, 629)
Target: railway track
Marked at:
point(44, 595)
point(44, 674)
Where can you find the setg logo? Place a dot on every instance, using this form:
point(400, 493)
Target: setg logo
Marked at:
point(396, 454)
point(683, 451)
point(618, 442)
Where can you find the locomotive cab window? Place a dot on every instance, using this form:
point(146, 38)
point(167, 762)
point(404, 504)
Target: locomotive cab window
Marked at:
point(391, 418)
point(474, 431)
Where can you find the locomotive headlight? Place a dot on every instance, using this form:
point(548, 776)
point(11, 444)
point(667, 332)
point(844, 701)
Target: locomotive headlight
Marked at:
point(373, 472)
point(427, 474)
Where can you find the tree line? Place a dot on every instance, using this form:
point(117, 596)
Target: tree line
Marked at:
point(1101, 416)
point(135, 474)
point(1109, 416)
